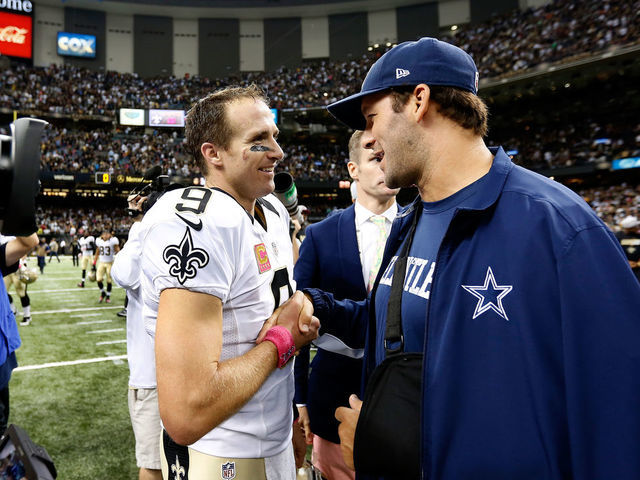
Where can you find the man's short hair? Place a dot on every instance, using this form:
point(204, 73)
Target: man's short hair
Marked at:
point(207, 122)
point(355, 150)
point(463, 107)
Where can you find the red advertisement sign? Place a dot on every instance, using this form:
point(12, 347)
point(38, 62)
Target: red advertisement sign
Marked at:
point(16, 34)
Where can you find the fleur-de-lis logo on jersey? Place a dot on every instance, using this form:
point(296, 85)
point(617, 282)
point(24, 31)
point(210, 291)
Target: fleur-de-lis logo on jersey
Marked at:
point(185, 258)
point(177, 470)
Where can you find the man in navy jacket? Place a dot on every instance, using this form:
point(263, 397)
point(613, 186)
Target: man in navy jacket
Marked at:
point(339, 255)
point(517, 294)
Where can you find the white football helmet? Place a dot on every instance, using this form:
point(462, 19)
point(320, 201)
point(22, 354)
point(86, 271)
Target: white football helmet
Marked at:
point(92, 276)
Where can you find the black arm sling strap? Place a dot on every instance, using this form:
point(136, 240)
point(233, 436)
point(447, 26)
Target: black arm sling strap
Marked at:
point(387, 441)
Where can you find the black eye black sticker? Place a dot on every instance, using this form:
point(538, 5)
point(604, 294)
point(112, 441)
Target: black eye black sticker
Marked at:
point(259, 148)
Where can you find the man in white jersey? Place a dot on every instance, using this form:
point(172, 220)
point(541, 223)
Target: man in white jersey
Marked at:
point(87, 245)
point(216, 261)
point(142, 394)
point(106, 247)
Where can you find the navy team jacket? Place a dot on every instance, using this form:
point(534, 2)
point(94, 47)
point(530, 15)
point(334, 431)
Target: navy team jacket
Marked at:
point(550, 392)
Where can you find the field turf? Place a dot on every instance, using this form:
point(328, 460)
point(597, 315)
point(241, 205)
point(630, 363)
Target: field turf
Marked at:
point(77, 411)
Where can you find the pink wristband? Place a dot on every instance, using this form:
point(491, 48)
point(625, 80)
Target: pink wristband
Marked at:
point(283, 340)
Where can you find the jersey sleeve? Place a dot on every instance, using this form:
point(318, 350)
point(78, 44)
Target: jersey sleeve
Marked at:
point(177, 256)
point(126, 265)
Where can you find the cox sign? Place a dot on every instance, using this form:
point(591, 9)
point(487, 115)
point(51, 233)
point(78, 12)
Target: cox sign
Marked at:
point(76, 45)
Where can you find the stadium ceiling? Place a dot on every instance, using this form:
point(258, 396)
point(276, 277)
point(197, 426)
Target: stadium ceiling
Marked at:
point(243, 9)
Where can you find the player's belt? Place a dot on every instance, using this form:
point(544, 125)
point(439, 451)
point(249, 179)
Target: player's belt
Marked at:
point(224, 467)
point(185, 462)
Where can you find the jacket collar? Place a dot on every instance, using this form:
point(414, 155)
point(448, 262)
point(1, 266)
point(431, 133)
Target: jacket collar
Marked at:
point(494, 181)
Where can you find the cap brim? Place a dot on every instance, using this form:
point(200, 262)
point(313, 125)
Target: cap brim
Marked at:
point(349, 111)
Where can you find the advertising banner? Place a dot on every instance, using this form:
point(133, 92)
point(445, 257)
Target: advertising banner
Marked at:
point(16, 35)
point(166, 118)
point(132, 116)
point(76, 45)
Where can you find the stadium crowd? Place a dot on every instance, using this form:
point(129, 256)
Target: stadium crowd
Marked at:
point(82, 151)
point(504, 45)
point(512, 42)
point(65, 223)
point(548, 146)
point(611, 203)
point(131, 152)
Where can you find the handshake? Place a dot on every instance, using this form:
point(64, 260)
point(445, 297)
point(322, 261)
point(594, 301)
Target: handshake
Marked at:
point(296, 317)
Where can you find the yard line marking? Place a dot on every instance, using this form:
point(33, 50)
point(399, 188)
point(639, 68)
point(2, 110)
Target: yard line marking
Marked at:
point(47, 277)
point(117, 361)
point(76, 289)
point(112, 341)
point(86, 315)
point(108, 330)
point(93, 322)
point(69, 310)
point(70, 362)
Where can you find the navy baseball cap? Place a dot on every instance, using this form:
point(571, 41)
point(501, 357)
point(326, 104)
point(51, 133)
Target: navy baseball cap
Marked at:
point(427, 60)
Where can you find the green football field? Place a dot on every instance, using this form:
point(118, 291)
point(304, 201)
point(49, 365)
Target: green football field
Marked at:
point(70, 390)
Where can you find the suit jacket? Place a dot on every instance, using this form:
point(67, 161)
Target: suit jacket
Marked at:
point(329, 260)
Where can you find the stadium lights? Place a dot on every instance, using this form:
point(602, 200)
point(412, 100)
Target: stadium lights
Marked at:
point(376, 45)
point(370, 48)
point(454, 28)
point(388, 44)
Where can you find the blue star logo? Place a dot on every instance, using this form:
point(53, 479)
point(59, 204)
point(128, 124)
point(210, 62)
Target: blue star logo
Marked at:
point(489, 295)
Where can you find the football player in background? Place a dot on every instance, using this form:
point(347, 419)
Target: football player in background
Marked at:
point(19, 285)
point(216, 262)
point(106, 247)
point(87, 246)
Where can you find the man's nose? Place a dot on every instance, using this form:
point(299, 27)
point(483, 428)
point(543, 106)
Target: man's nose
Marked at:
point(276, 152)
point(368, 141)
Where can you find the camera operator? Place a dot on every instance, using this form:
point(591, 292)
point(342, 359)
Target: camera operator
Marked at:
point(10, 254)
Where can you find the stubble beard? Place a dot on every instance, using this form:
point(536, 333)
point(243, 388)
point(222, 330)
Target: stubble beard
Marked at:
point(408, 168)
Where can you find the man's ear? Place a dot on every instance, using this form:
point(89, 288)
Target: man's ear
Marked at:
point(420, 101)
point(353, 169)
point(211, 154)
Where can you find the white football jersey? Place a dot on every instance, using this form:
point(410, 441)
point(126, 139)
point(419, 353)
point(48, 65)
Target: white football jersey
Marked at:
point(86, 245)
point(201, 239)
point(107, 249)
point(126, 273)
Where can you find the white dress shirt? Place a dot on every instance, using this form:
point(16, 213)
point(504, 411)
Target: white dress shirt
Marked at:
point(367, 234)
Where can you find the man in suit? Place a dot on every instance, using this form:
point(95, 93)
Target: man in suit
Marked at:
point(342, 255)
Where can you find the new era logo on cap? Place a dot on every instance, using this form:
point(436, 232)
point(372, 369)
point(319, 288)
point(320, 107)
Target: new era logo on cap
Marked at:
point(401, 72)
